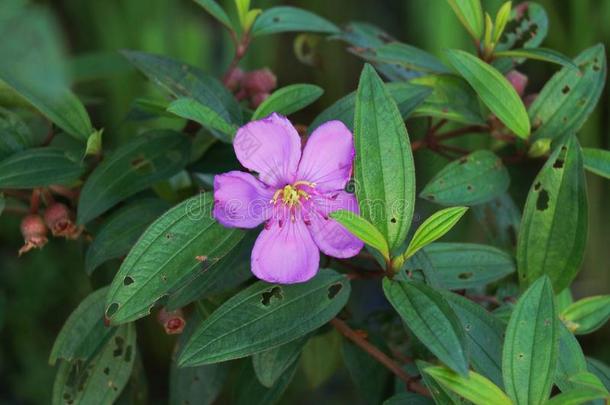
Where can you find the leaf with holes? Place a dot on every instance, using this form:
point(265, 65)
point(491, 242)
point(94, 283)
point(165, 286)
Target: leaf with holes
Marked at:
point(193, 110)
point(182, 243)
point(431, 319)
point(406, 95)
point(119, 233)
point(433, 228)
point(451, 99)
point(468, 265)
point(470, 13)
point(474, 387)
point(484, 334)
point(146, 159)
point(384, 169)
point(270, 365)
point(530, 348)
point(363, 229)
point(398, 53)
point(597, 161)
point(588, 314)
point(493, 89)
point(291, 19)
point(568, 98)
point(39, 167)
point(526, 28)
point(543, 54)
point(288, 100)
point(501, 219)
point(473, 179)
point(264, 316)
point(101, 379)
point(554, 227)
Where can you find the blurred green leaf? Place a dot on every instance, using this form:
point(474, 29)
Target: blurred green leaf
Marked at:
point(468, 265)
point(470, 14)
point(146, 159)
point(321, 358)
point(193, 110)
point(568, 98)
point(531, 345)
point(554, 226)
point(249, 391)
point(470, 180)
point(571, 360)
point(363, 229)
point(493, 88)
point(15, 135)
point(264, 316)
point(39, 167)
point(588, 314)
point(543, 54)
point(409, 398)
point(183, 242)
point(577, 396)
point(384, 169)
point(500, 218)
point(597, 161)
point(412, 58)
point(216, 11)
point(417, 304)
point(291, 19)
point(601, 370)
point(484, 334)
point(120, 232)
point(475, 387)
point(270, 365)
point(288, 100)
point(501, 20)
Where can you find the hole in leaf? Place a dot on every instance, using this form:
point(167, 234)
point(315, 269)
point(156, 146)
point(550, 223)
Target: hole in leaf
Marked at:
point(119, 342)
point(542, 202)
point(393, 220)
point(333, 290)
point(520, 356)
point(566, 89)
point(468, 327)
point(558, 164)
point(469, 187)
point(269, 296)
point(106, 371)
point(111, 310)
point(276, 19)
point(128, 351)
point(127, 280)
point(537, 186)
point(596, 68)
point(465, 276)
point(169, 236)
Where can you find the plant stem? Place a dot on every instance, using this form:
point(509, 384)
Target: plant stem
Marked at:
point(411, 382)
point(241, 47)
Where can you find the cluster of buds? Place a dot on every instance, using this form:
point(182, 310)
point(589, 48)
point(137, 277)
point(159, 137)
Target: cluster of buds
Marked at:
point(172, 321)
point(57, 217)
point(254, 86)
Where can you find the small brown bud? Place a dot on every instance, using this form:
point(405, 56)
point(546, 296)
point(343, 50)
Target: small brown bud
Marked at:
point(172, 321)
point(518, 80)
point(34, 233)
point(258, 99)
point(58, 218)
point(234, 78)
point(259, 81)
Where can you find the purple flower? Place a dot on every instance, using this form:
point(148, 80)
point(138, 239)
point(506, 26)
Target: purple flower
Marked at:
point(293, 195)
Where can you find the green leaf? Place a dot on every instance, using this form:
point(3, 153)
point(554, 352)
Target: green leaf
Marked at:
point(588, 314)
point(39, 167)
point(474, 387)
point(362, 229)
point(406, 95)
point(384, 169)
point(554, 226)
point(249, 391)
point(495, 91)
point(288, 100)
point(452, 99)
point(321, 358)
point(143, 161)
point(470, 14)
point(94, 143)
point(431, 319)
point(31, 62)
point(568, 98)
point(601, 370)
point(570, 362)
point(531, 345)
point(597, 161)
point(473, 179)
point(501, 20)
point(543, 54)
point(84, 332)
point(291, 19)
point(408, 398)
point(501, 219)
point(410, 57)
point(182, 80)
point(270, 365)
point(434, 228)
point(119, 233)
point(100, 380)
point(15, 135)
point(577, 396)
point(193, 110)
point(264, 316)
point(216, 11)
point(461, 266)
point(484, 334)
point(184, 241)
point(439, 393)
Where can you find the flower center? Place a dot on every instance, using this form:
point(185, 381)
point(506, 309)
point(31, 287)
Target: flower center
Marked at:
point(291, 194)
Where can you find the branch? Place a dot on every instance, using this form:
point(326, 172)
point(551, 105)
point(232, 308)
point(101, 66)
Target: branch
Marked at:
point(241, 47)
point(411, 382)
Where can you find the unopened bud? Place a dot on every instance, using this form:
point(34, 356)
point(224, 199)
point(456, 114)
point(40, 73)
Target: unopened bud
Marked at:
point(259, 81)
point(518, 80)
point(59, 219)
point(258, 99)
point(172, 321)
point(234, 78)
point(34, 233)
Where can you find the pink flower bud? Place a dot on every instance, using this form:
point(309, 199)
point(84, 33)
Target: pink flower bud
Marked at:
point(172, 321)
point(58, 218)
point(34, 233)
point(258, 99)
point(234, 78)
point(259, 81)
point(518, 80)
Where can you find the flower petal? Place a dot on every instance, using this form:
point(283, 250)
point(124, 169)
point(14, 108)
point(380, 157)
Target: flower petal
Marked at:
point(331, 237)
point(285, 254)
point(240, 200)
point(271, 147)
point(328, 157)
